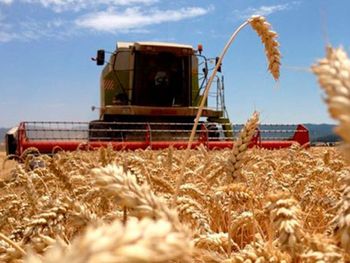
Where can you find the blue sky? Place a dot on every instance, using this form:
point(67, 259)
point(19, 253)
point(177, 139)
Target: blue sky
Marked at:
point(45, 49)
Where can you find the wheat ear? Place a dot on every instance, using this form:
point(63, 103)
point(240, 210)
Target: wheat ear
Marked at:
point(333, 73)
point(321, 249)
point(137, 241)
point(214, 242)
point(113, 181)
point(285, 214)
point(342, 219)
point(268, 37)
point(241, 145)
point(13, 244)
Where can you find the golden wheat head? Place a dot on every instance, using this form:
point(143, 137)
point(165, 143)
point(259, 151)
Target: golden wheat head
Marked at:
point(268, 37)
point(333, 74)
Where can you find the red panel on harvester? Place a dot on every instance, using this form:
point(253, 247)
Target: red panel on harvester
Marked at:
point(49, 137)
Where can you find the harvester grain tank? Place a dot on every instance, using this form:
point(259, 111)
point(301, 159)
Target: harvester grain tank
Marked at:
point(150, 93)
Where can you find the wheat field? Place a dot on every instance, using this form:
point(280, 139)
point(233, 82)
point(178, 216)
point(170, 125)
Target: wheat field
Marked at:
point(107, 206)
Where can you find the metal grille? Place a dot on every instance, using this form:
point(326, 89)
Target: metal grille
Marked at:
point(57, 130)
point(136, 131)
point(273, 132)
point(115, 131)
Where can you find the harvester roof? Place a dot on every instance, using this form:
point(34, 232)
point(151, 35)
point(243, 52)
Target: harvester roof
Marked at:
point(156, 46)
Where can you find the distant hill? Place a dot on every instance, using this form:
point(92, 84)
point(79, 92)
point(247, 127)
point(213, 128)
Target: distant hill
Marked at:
point(322, 133)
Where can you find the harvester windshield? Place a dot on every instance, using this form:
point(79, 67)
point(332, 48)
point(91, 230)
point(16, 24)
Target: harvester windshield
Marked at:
point(161, 79)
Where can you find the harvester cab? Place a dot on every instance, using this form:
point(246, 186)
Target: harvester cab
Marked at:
point(153, 84)
point(151, 75)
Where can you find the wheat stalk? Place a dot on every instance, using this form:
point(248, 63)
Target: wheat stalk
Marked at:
point(271, 47)
point(13, 244)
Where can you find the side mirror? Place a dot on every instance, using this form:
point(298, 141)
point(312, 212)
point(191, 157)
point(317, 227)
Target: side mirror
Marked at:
point(216, 62)
point(205, 71)
point(100, 58)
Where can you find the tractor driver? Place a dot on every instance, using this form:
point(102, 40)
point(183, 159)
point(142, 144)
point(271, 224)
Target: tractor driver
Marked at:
point(161, 79)
point(162, 86)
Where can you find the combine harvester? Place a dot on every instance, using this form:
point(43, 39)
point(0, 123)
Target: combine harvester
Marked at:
point(150, 93)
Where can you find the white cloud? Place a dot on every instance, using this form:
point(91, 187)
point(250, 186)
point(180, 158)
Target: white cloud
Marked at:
point(6, 2)
point(77, 5)
point(31, 29)
point(99, 15)
point(134, 18)
point(264, 10)
point(7, 36)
